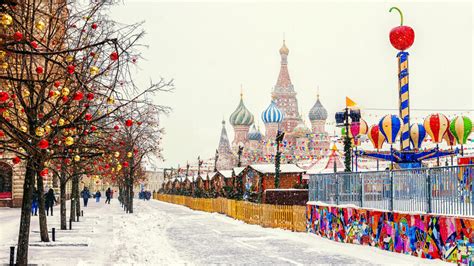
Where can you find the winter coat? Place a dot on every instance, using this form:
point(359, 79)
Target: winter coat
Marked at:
point(107, 193)
point(49, 198)
point(98, 195)
point(35, 196)
point(85, 194)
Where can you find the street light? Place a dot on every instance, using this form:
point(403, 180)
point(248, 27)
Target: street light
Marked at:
point(342, 120)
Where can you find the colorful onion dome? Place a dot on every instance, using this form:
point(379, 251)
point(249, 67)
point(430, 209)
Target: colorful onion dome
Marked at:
point(272, 114)
point(241, 116)
point(318, 112)
point(254, 134)
point(284, 49)
point(301, 129)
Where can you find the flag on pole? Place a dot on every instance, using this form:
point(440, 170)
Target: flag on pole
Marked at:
point(350, 103)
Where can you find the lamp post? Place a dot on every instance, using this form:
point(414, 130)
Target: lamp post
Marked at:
point(279, 139)
point(239, 153)
point(342, 120)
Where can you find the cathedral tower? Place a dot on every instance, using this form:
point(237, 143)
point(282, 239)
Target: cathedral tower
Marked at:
point(241, 119)
point(226, 159)
point(285, 95)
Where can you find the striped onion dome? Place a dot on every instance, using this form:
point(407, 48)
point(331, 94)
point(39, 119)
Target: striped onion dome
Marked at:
point(241, 116)
point(254, 134)
point(318, 112)
point(272, 114)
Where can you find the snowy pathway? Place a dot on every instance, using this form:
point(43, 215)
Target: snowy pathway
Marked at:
point(160, 233)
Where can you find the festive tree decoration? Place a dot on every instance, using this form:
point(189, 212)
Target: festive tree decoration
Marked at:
point(88, 117)
point(44, 172)
point(16, 160)
point(376, 137)
point(4, 96)
point(39, 131)
point(18, 36)
point(436, 126)
point(71, 69)
point(417, 135)
point(90, 96)
point(114, 56)
point(39, 70)
point(401, 37)
point(40, 25)
point(77, 158)
point(94, 70)
point(78, 95)
point(129, 123)
point(43, 144)
point(390, 126)
point(34, 44)
point(6, 20)
point(69, 141)
point(461, 128)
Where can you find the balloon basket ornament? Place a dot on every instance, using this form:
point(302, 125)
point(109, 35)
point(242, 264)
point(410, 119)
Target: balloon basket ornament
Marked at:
point(392, 126)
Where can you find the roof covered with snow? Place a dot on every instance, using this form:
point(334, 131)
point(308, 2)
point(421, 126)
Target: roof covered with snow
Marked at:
point(270, 168)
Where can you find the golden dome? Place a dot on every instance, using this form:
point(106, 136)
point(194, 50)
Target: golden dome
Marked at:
point(284, 49)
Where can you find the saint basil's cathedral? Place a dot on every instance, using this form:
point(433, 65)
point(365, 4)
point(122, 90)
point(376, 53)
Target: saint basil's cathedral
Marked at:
point(300, 142)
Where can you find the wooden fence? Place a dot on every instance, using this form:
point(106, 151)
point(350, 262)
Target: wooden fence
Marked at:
point(275, 216)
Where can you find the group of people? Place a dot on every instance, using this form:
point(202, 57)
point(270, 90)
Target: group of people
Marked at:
point(144, 195)
point(49, 202)
point(85, 194)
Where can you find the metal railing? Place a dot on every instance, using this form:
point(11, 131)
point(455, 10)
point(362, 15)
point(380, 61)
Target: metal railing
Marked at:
point(443, 190)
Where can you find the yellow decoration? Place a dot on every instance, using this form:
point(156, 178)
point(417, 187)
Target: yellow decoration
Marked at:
point(69, 58)
point(65, 91)
point(110, 100)
point(46, 164)
point(117, 154)
point(40, 25)
point(119, 167)
point(61, 122)
point(6, 20)
point(6, 114)
point(77, 158)
point(4, 65)
point(69, 141)
point(23, 129)
point(25, 93)
point(39, 131)
point(129, 154)
point(94, 70)
point(2, 54)
point(47, 129)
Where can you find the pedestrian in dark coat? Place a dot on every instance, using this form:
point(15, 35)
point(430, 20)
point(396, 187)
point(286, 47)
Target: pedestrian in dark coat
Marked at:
point(97, 196)
point(108, 196)
point(49, 201)
point(85, 195)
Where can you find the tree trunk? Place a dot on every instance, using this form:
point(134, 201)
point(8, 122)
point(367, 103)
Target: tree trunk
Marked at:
point(24, 234)
point(78, 197)
point(42, 210)
point(72, 214)
point(62, 189)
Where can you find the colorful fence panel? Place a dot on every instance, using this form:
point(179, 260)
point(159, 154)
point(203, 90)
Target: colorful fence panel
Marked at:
point(422, 235)
point(275, 216)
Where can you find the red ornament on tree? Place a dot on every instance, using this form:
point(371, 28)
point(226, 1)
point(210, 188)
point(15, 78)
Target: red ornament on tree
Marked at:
point(3, 96)
point(17, 36)
point(88, 117)
point(16, 160)
point(94, 26)
point(70, 69)
point(129, 122)
point(78, 96)
point(39, 70)
point(114, 56)
point(93, 128)
point(34, 44)
point(2, 134)
point(90, 96)
point(125, 164)
point(44, 172)
point(57, 84)
point(116, 127)
point(43, 144)
point(401, 37)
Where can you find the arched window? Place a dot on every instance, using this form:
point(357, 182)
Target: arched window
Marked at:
point(6, 174)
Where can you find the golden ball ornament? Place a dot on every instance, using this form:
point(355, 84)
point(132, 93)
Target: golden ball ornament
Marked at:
point(6, 20)
point(94, 70)
point(40, 25)
point(77, 158)
point(23, 129)
point(65, 91)
point(39, 131)
point(69, 141)
point(129, 154)
point(61, 122)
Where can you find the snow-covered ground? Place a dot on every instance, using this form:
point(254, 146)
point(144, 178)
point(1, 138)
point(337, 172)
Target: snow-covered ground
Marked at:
point(165, 234)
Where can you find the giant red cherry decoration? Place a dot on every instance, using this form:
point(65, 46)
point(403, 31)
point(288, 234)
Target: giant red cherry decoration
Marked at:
point(401, 37)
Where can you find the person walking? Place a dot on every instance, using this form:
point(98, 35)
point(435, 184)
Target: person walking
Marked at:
point(34, 203)
point(49, 201)
point(97, 196)
point(108, 196)
point(85, 195)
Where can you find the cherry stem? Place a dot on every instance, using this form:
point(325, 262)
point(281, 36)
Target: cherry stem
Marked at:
point(399, 11)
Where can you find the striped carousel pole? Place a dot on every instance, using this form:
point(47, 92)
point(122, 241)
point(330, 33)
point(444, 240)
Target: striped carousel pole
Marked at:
point(401, 38)
point(404, 100)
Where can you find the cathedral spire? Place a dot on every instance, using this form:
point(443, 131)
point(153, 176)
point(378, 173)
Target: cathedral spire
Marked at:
point(284, 81)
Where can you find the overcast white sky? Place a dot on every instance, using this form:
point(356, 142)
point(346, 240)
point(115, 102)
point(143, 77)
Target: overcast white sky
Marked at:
point(211, 48)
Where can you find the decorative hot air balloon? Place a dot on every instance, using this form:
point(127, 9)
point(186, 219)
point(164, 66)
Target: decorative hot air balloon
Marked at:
point(417, 135)
point(449, 138)
point(364, 128)
point(436, 126)
point(390, 126)
point(461, 128)
point(376, 137)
